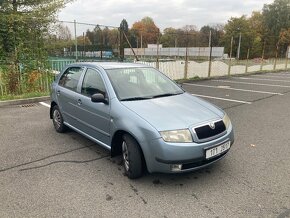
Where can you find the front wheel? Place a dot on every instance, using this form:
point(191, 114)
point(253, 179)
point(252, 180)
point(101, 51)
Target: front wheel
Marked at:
point(132, 157)
point(58, 120)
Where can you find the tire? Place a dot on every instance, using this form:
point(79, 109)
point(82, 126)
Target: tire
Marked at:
point(132, 157)
point(57, 120)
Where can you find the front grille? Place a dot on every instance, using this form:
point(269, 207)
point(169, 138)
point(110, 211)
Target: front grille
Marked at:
point(206, 131)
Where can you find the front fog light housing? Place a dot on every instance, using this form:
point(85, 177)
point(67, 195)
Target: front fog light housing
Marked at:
point(176, 167)
point(182, 135)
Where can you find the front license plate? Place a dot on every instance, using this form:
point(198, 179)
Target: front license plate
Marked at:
point(212, 152)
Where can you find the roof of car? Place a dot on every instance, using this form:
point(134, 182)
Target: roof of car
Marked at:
point(110, 65)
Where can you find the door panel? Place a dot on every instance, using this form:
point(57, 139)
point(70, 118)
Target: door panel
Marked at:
point(95, 117)
point(67, 93)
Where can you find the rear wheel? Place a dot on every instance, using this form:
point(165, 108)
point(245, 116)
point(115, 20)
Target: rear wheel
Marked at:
point(58, 120)
point(132, 157)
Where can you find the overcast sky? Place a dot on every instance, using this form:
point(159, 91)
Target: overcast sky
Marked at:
point(165, 13)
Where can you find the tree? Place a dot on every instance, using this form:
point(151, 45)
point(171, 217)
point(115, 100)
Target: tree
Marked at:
point(63, 32)
point(123, 29)
point(258, 28)
point(101, 39)
point(169, 37)
point(235, 28)
point(188, 36)
point(59, 40)
point(216, 32)
point(284, 40)
point(24, 27)
point(276, 17)
point(124, 26)
point(22, 22)
point(147, 31)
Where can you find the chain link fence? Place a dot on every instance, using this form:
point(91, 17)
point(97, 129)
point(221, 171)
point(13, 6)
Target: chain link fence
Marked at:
point(182, 55)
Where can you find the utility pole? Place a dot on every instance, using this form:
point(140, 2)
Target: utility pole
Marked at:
point(121, 44)
point(136, 57)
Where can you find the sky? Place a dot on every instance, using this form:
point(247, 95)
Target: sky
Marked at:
point(165, 13)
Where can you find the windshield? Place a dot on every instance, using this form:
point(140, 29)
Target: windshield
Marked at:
point(141, 83)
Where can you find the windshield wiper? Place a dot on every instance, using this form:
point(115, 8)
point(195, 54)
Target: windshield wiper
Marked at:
point(166, 95)
point(135, 98)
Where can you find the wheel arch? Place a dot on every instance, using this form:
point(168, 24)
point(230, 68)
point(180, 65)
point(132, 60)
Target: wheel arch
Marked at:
point(53, 103)
point(116, 145)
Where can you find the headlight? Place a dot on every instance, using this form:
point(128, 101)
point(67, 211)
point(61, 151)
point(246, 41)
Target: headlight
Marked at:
point(182, 135)
point(227, 121)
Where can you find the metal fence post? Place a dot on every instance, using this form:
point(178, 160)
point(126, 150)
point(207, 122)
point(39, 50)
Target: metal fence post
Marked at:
point(209, 64)
point(76, 39)
point(210, 55)
point(186, 64)
point(287, 53)
point(239, 46)
point(157, 53)
point(276, 56)
point(157, 57)
point(263, 54)
point(248, 55)
point(230, 62)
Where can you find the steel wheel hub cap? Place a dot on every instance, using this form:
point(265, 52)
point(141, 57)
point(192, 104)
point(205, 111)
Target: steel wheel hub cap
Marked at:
point(125, 155)
point(57, 118)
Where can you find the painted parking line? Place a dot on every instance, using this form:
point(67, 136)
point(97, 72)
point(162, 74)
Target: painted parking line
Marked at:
point(229, 88)
point(258, 84)
point(278, 77)
point(284, 73)
point(271, 80)
point(44, 104)
point(223, 99)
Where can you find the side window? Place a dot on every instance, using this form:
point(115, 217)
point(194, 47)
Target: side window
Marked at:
point(93, 83)
point(71, 77)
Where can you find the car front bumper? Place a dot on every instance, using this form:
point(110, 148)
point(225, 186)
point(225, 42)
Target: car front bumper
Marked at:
point(164, 157)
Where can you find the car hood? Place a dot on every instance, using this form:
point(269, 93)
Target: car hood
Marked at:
point(174, 112)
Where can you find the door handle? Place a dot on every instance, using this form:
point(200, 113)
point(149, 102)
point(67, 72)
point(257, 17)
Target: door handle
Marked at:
point(58, 93)
point(79, 101)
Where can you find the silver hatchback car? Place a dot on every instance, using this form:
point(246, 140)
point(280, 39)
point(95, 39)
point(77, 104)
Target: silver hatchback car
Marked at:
point(137, 112)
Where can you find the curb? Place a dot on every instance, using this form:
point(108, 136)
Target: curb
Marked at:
point(24, 101)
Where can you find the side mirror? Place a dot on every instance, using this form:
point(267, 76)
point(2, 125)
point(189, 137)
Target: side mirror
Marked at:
point(99, 98)
point(179, 83)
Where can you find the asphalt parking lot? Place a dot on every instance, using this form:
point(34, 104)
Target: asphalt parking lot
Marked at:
point(47, 174)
